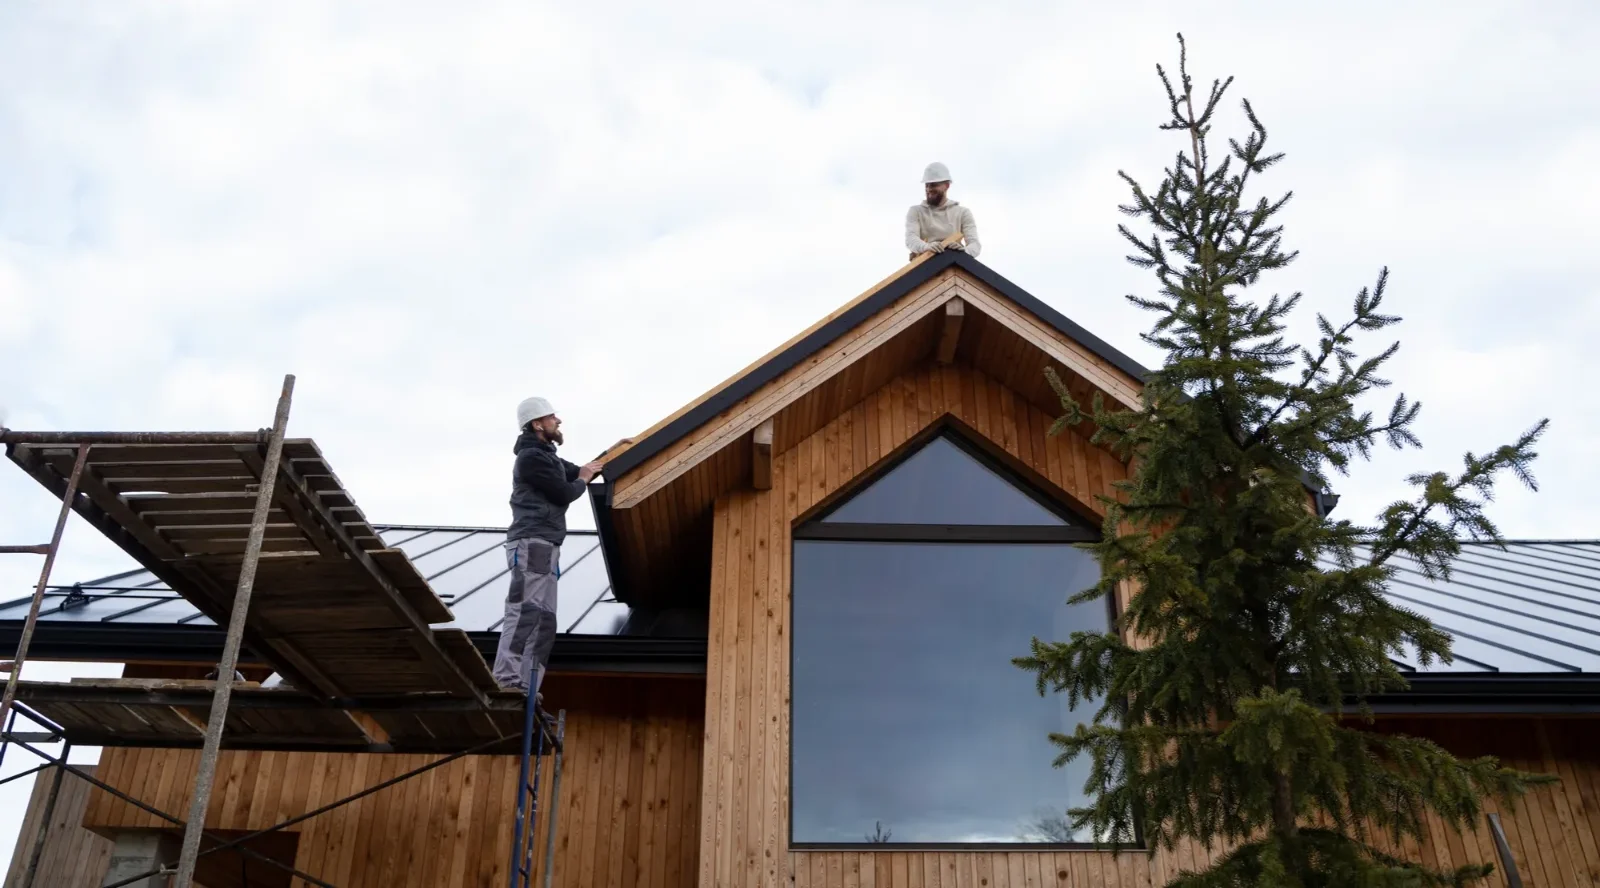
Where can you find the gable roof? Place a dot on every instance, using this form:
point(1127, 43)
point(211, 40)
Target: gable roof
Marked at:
point(923, 269)
point(687, 459)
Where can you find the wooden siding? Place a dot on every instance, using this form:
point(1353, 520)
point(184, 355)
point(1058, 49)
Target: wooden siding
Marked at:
point(628, 809)
point(744, 808)
point(73, 856)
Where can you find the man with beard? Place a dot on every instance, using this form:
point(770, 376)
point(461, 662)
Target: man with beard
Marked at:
point(542, 486)
point(938, 217)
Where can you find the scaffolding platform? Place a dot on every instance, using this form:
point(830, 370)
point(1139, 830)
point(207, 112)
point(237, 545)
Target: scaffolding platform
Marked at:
point(169, 713)
point(332, 611)
point(257, 532)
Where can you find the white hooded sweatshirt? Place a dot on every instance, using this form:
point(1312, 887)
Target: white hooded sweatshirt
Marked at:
point(925, 224)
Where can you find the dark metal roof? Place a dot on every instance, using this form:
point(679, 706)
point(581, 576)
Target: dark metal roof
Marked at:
point(1532, 607)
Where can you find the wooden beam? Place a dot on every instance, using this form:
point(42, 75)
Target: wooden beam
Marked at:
point(369, 727)
point(761, 456)
point(188, 717)
point(950, 335)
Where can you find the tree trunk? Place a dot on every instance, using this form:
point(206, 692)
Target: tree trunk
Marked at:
point(1283, 821)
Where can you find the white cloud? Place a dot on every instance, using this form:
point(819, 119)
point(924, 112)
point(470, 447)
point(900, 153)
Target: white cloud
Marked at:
point(428, 213)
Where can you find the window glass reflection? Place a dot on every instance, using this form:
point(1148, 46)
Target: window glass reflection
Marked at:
point(908, 716)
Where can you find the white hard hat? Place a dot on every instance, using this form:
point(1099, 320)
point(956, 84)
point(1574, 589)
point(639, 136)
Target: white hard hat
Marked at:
point(531, 409)
point(936, 172)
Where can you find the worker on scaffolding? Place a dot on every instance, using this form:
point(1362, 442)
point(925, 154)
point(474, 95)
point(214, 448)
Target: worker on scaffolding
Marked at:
point(930, 223)
point(543, 485)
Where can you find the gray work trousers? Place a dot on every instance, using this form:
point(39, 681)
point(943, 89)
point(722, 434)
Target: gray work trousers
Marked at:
point(529, 630)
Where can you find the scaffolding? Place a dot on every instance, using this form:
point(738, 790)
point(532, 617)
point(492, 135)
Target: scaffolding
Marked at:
point(344, 620)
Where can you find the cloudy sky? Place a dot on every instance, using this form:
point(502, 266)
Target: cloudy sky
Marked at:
point(429, 211)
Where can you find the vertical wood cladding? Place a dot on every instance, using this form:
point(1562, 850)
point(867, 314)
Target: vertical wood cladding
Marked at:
point(744, 809)
point(628, 810)
point(73, 857)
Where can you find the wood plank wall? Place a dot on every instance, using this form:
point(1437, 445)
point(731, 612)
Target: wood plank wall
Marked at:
point(73, 857)
point(744, 808)
point(628, 810)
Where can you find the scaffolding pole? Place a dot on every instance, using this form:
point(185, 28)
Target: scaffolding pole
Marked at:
point(50, 550)
point(230, 650)
point(555, 798)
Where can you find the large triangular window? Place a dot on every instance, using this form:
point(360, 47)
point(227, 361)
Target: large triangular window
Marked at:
point(948, 490)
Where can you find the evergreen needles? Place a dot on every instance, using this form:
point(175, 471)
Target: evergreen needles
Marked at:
point(1262, 627)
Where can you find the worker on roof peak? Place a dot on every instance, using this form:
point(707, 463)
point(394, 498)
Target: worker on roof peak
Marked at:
point(937, 217)
point(542, 486)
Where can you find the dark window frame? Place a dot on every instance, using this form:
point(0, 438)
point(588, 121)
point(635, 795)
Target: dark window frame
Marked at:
point(816, 527)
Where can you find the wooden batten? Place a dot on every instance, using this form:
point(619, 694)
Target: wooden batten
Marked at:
point(950, 334)
point(761, 456)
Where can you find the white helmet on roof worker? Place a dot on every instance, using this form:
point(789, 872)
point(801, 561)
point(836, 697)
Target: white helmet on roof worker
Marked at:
point(531, 409)
point(936, 172)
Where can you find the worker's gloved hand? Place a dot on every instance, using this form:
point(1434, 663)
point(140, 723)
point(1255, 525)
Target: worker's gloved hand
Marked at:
point(935, 247)
point(955, 246)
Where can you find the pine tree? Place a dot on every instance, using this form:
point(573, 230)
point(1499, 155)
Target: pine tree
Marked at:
point(1239, 722)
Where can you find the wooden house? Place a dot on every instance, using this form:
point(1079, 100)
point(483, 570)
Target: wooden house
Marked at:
point(785, 658)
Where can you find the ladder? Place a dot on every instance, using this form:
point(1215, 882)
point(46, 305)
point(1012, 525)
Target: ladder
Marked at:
point(8, 704)
point(536, 727)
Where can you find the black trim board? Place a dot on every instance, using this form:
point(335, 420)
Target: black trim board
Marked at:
point(123, 642)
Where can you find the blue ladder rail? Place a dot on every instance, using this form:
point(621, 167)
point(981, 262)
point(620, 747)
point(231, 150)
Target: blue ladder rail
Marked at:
point(536, 730)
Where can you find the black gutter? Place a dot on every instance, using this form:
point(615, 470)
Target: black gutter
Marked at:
point(1503, 693)
point(125, 642)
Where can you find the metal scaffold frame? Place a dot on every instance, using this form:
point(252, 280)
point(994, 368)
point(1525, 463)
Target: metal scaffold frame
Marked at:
point(194, 834)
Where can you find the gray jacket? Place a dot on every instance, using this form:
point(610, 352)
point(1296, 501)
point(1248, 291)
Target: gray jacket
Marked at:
point(542, 486)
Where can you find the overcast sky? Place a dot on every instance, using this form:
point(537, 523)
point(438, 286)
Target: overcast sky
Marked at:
point(429, 211)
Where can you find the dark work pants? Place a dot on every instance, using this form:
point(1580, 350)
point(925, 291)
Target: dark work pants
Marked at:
point(529, 630)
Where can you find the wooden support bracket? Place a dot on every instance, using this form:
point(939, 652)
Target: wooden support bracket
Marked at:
point(761, 455)
point(950, 335)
